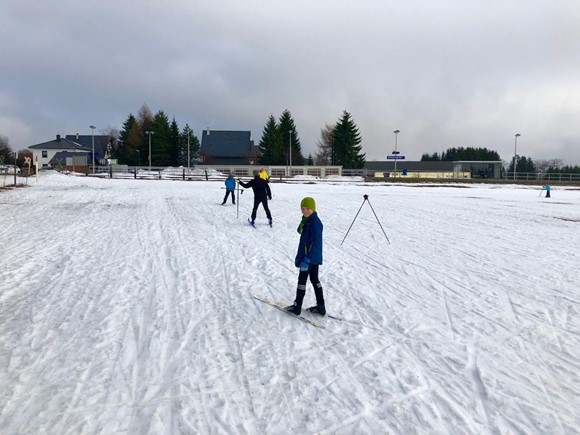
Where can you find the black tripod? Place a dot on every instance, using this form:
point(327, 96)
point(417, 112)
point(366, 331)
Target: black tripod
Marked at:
point(366, 199)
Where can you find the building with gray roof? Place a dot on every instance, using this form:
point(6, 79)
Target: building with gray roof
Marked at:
point(226, 147)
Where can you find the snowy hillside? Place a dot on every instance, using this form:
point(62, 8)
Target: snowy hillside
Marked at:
point(126, 307)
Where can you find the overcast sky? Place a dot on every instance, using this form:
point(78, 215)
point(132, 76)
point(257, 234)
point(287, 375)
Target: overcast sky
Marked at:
point(446, 73)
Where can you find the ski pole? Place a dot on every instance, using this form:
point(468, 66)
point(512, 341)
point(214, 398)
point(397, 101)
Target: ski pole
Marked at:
point(238, 200)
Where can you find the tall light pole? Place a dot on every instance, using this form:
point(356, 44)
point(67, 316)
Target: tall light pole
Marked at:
point(395, 153)
point(290, 139)
point(149, 132)
point(92, 127)
point(188, 160)
point(516, 154)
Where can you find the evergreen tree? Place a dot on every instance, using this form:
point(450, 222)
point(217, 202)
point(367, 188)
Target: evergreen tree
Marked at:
point(289, 137)
point(194, 146)
point(160, 141)
point(524, 164)
point(174, 144)
point(168, 144)
point(271, 144)
point(310, 160)
point(346, 144)
point(129, 144)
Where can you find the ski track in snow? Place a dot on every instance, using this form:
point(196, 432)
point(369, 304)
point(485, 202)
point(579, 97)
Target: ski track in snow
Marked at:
point(126, 307)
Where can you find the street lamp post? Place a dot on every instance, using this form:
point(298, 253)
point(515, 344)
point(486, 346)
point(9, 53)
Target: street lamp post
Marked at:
point(149, 132)
point(395, 153)
point(290, 140)
point(516, 154)
point(92, 127)
point(188, 159)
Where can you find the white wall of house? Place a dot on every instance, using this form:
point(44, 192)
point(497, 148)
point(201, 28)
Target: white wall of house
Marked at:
point(43, 161)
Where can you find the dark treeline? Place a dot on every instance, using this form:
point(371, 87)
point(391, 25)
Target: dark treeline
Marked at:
point(169, 144)
point(568, 169)
point(457, 154)
point(338, 145)
point(280, 144)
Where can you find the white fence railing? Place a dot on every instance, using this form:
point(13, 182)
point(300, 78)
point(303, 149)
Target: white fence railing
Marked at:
point(218, 172)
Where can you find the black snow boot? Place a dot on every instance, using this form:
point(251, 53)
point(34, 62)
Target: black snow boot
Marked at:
point(317, 309)
point(294, 309)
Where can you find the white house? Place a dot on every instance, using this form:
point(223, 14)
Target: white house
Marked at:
point(43, 153)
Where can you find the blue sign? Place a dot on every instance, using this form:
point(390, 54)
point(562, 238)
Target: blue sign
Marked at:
point(395, 157)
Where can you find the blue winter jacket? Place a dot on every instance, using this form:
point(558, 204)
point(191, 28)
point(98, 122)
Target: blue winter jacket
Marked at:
point(230, 183)
point(310, 241)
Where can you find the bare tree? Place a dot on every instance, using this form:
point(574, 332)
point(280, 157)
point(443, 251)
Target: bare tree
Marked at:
point(113, 134)
point(6, 153)
point(544, 165)
point(324, 154)
point(145, 118)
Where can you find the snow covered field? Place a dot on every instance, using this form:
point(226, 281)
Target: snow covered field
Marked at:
point(126, 307)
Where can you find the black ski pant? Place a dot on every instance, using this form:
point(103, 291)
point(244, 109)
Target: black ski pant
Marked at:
point(303, 276)
point(264, 201)
point(228, 191)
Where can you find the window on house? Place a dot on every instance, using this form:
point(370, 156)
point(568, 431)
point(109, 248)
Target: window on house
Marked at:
point(44, 154)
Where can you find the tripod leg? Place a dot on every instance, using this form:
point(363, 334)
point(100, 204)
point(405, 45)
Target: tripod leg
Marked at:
point(361, 206)
point(379, 222)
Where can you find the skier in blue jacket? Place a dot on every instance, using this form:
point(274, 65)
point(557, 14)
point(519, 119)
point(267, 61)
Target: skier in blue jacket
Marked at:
point(547, 189)
point(230, 188)
point(309, 258)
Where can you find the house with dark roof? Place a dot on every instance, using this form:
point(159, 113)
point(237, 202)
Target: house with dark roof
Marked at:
point(226, 147)
point(86, 140)
point(71, 161)
point(45, 152)
point(73, 152)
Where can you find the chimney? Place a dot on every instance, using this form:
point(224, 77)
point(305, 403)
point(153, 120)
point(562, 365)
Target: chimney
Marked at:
point(58, 137)
point(207, 130)
point(77, 136)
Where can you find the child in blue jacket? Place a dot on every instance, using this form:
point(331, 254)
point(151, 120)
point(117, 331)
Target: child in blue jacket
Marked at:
point(547, 189)
point(309, 258)
point(230, 188)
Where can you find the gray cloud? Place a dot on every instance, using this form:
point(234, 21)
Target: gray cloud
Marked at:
point(445, 73)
